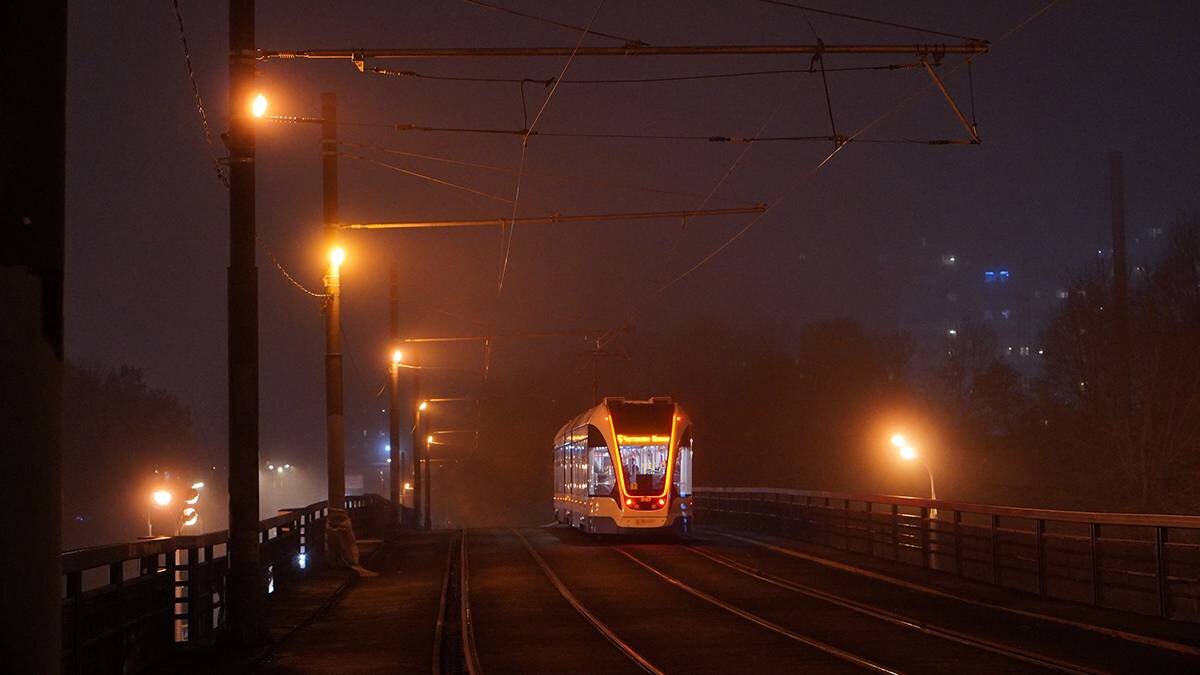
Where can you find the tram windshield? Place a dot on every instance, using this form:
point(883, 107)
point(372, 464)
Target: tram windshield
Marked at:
point(643, 441)
point(644, 462)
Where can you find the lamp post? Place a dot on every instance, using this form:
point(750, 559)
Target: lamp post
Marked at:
point(428, 483)
point(418, 483)
point(396, 466)
point(160, 499)
point(909, 454)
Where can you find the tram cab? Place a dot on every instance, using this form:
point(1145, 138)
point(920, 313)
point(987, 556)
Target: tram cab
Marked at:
point(625, 466)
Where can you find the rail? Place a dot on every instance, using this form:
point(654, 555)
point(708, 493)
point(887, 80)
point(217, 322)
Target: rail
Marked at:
point(1135, 562)
point(127, 605)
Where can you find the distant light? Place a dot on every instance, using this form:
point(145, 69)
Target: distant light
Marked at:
point(397, 357)
point(279, 469)
point(429, 439)
point(1041, 352)
point(287, 466)
point(389, 460)
point(193, 500)
point(302, 560)
point(189, 511)
point(424, 405)
point(161, 497)
point(408, 486)
point(270, 467)
point(953, 332)
point(899, 441)
point(191, 520)
point(197, 485)
point(337, 256)
point(259, 107)
point(908, 453)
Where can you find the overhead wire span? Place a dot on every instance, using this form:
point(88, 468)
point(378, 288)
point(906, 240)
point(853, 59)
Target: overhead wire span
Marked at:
point(552, 22)
point(867, 19)
point(774, 204)
point(544, 174)
point(507, 241)
point(378, 70)
point(187, 59)
point(426, 177)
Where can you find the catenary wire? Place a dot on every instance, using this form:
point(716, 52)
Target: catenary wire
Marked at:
point(544, 174)
point(628, 41)
point(187, 59)
point(865, 19)
point(772, 206)
point(525, 146)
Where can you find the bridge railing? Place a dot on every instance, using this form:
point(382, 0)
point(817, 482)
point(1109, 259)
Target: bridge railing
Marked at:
point(1134, 562)
point(126, 605)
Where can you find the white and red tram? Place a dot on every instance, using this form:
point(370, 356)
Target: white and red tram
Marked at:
point(625, 466)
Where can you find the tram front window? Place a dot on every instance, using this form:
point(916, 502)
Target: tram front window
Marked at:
point(644, 464)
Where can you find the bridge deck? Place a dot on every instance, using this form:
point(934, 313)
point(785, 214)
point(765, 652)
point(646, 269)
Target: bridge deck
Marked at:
point(541, 600)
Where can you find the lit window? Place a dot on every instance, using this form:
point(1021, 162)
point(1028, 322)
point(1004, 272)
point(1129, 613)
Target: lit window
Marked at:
point(949, 260)
point(1062, 294)
point(953, 332)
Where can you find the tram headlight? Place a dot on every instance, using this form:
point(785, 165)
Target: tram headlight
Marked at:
point(628, 501)
point(662, 502)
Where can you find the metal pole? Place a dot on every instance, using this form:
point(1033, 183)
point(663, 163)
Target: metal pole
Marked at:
point(428, 486)
point(334, 420)
point(246, 584)
point(416, 448)
point(396, 469)
point(360, 55)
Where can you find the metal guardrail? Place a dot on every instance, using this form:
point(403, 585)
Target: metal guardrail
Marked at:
point(1128, 561)
point(126, 605)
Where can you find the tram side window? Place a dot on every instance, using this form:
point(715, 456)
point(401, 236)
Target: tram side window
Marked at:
point(681, 478)
point(603, 478)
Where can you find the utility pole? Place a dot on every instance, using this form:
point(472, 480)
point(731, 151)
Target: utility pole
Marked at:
point(428, 484)
point(32, 193)
point(416, 449)
point(245, 602)
point(339, 531)
point(396, 468)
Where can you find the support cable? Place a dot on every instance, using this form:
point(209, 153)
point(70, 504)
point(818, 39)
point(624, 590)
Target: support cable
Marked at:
point(525, 146)
point(187, 59)
point(426, 177)
point(283, 270)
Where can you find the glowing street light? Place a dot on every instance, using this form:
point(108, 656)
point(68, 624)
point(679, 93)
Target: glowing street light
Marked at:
point(161, 497)
point(423, 406)
point(337, 256)
point(258, 107)
point(197, 485)
point(909, 454)
point(397, 358)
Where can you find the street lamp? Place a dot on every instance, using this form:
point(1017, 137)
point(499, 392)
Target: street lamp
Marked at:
point(396, 461)
point(161, 499)
point(909, 454)
point(258, 107)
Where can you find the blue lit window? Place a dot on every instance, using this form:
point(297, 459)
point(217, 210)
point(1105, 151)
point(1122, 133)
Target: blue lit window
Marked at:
point(989, 277)
point(1004, 275)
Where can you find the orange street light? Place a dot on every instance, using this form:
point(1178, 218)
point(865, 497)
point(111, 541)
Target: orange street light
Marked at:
point(423, 406)
point(258, 107)
point(397, 358)
point(337, 256)
point(161, 497)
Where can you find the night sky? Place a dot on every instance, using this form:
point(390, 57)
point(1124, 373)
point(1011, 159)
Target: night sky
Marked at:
point(147, 229)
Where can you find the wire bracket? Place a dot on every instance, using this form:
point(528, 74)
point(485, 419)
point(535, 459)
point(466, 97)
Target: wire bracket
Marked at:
point(971, 128)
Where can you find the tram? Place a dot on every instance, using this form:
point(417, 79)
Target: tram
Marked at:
point(625, 466)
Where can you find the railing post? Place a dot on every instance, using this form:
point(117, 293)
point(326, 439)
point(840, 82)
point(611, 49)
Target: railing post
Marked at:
point(116, 578)
point(958, 563)
point(896, 531)
point(1160, 557)
point(1097, 582)
point(196, 625)
point(926, 551)
point(995, 549)
point(870, 529)
point(1039, 531)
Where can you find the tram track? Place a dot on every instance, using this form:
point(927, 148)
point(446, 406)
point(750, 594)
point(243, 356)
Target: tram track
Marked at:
point(820, 645)
point(894, 618)
point(624, 647)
